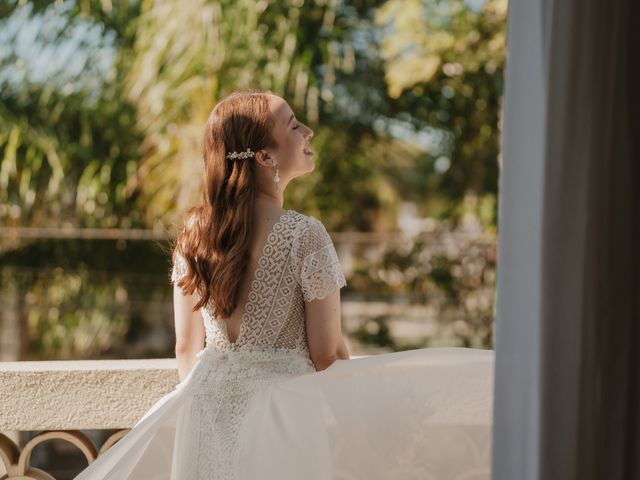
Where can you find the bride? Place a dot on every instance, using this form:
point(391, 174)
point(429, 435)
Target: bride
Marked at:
point(273, 394)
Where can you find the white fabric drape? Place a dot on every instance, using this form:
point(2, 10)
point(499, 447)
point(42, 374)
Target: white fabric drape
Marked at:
point(567, 344)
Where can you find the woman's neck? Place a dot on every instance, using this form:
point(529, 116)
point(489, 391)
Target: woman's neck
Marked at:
point(267, 200)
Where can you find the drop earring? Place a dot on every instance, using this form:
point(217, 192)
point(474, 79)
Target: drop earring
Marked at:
point(276, 177)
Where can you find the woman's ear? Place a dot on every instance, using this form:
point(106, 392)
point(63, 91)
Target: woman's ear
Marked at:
point(264, 159)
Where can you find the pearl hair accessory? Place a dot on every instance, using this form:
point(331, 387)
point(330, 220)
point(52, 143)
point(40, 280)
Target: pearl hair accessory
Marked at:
point(249, 153)
point(246, 154)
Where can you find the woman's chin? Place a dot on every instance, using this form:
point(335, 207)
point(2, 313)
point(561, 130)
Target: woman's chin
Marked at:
point(309, 161)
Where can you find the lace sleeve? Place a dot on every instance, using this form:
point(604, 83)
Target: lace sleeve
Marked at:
point(320, 272)
point(179, 269)
point(180, 265)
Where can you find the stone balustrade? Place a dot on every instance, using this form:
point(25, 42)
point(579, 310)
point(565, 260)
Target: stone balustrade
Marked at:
point(61, 398)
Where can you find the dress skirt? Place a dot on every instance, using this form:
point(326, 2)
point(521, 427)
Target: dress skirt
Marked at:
point(418, 414)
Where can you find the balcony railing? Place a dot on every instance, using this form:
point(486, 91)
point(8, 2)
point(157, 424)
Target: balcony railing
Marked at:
point(61, 398)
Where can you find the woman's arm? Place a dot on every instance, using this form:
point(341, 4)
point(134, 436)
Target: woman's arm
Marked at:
point(190, 331)
point(324, 331)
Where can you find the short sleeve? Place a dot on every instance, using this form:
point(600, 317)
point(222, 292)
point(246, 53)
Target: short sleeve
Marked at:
point(319, 269)
point(180, 265)
point(179, 269)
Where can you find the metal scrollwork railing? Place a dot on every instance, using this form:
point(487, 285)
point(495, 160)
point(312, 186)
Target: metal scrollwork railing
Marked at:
point(16, 462)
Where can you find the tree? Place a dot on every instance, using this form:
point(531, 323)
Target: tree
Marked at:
point(444, 63)
point(67, 149)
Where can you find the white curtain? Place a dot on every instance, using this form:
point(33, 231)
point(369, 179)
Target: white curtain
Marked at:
point(567, 378)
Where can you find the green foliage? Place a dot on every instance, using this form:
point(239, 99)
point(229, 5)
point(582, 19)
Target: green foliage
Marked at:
point(85, 298)
point(451, 271)
point(375, 332)
point(68, 315)
point(63, 163)
point(444, 63)
point(67, 147)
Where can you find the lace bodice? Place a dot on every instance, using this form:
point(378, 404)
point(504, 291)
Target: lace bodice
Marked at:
point(298, 263)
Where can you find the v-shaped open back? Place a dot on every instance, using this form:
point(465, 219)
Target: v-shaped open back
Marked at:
point(256, 274)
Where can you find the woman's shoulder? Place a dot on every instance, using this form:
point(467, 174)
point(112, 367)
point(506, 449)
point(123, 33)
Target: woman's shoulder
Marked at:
point(306, 222)
point(309, 232)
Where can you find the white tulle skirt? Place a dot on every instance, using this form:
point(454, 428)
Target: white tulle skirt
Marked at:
point(419, 414)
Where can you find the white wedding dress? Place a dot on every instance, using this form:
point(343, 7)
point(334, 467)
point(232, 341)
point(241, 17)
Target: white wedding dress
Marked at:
point(257, 408)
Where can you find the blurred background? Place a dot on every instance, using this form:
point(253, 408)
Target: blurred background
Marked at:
point(102, 109)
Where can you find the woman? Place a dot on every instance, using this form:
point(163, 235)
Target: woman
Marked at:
point(273, 393)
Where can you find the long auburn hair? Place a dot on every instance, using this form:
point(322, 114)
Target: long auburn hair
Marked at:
point(214, 239)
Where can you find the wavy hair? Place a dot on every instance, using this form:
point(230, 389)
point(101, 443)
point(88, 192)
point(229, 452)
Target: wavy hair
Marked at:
point(214, 239)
